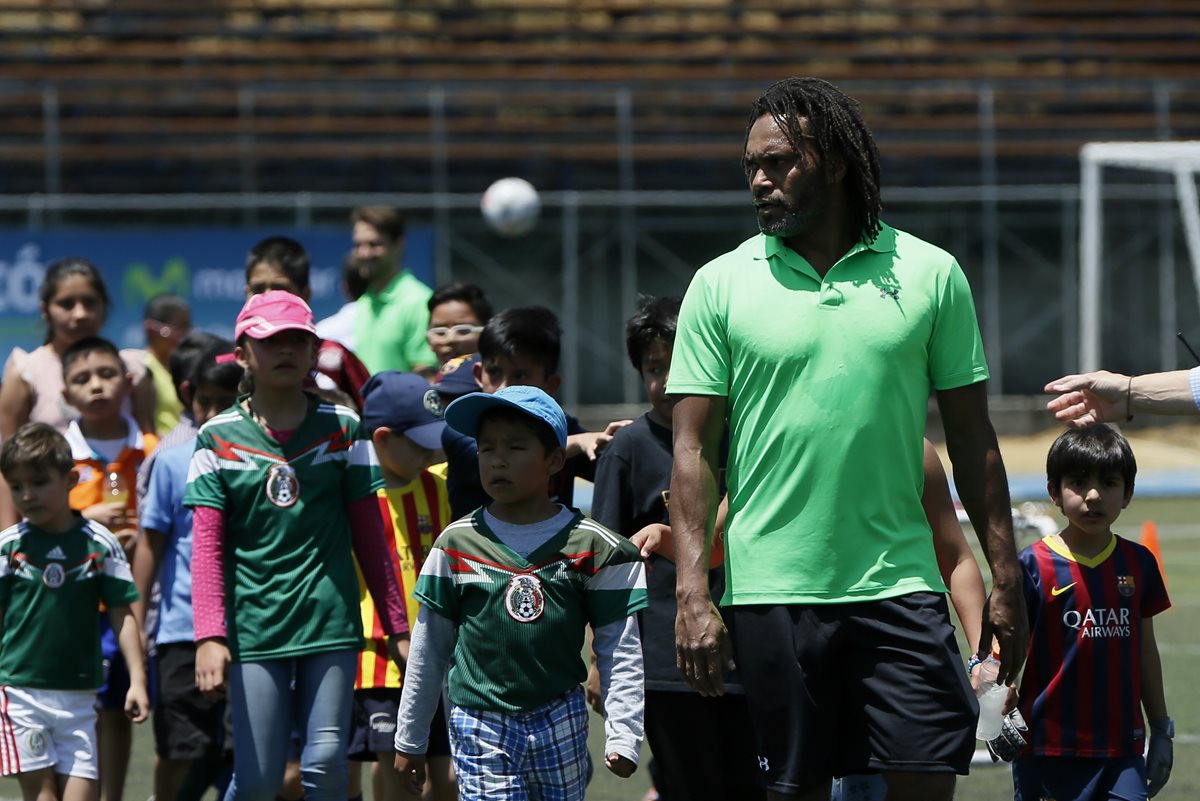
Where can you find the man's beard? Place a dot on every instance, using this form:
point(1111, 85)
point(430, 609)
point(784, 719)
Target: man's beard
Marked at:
point(792, 222)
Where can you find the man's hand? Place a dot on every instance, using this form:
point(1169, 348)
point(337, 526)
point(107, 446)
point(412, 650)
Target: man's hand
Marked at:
point(212, 662)
point(137, 702)
point(1005, 619)
point(1089, 398)
point(702, 649)
point(619, 765)
point(412, 768)
point(1160, 758)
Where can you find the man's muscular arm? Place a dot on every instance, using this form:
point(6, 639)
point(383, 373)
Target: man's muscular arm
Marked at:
point(702, 648)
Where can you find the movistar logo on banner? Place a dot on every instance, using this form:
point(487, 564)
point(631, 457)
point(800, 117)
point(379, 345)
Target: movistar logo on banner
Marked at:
point(141, 284)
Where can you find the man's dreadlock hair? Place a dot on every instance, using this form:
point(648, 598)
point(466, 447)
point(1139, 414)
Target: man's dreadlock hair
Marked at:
point(836, 123)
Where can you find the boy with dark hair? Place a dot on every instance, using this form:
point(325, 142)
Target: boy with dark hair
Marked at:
point(1093, 664)
point(56, 569)
point(509, 591)
point(108, 449)
point(633, 478)
point(457, 314)
point(402, 415)
point(279, 262)
point(107, 446)
point(187, 726)
point(167, 320)
point(521, 346)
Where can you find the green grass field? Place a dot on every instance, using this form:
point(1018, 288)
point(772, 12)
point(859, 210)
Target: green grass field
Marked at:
point(1178, 524)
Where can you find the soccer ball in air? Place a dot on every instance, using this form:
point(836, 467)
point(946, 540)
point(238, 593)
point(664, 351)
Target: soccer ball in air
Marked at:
point(511, 206)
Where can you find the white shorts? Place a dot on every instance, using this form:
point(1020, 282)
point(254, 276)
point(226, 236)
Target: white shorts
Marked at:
point(48, 728)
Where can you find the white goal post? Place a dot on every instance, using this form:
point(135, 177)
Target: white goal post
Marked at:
point(1179, 159)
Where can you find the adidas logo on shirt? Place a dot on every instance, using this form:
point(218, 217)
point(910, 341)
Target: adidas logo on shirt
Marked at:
point(56, 553)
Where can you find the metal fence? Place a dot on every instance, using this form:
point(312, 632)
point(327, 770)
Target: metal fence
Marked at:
point(594, 253)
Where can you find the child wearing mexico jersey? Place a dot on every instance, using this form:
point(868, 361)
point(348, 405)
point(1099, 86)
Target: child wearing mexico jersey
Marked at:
point(282, 488)
point(1093, 665)
point(56, 568)
point(508, 592)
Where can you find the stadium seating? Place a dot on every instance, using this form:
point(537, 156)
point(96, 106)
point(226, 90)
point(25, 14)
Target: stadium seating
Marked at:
point(226, 96)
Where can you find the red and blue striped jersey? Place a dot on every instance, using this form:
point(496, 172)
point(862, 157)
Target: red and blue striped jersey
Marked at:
point(1081, 691)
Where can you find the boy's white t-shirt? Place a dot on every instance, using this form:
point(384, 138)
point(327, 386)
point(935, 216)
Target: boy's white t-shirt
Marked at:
point(108, 449)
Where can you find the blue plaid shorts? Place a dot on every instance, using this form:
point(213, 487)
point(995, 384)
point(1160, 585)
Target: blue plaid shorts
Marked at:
point(537, 755)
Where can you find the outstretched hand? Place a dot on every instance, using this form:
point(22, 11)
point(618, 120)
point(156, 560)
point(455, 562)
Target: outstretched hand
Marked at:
point(1088, 398)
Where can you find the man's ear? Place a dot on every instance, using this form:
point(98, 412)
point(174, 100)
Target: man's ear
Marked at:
point(553, 382)
point(1055, 494)
point(1128, 498)
point(73, 477)
point(477, 371)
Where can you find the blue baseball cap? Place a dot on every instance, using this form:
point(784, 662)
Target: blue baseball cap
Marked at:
point(463, 414)
point(457, 376)
point(405, 403)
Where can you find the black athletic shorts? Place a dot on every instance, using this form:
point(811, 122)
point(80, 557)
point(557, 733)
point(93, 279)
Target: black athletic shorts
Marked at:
point(373, 726)
point(836, 689)
point(703, 747)
point(186, 724)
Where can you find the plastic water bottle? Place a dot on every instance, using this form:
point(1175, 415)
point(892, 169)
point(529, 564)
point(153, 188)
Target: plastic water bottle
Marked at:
point(991, 700)
point(118, 488)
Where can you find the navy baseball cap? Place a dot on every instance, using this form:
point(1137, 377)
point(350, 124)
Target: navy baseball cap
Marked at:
point(457, 376)
point(463, 414)
point(405, 403)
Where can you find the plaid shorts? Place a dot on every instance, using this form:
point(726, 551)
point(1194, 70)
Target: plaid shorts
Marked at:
point(537, 755)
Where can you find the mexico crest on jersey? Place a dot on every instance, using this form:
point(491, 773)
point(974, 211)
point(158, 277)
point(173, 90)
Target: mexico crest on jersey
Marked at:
point(283, 488)
point(524, 600)
point(53, 576)
point(1125, 586)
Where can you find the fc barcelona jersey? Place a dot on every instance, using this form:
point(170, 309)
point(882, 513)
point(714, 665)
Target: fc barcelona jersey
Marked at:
point(413, 516)
point(1081, 691)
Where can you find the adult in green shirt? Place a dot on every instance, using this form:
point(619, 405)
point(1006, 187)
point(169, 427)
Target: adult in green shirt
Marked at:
point(391, 317)
point(819, 341)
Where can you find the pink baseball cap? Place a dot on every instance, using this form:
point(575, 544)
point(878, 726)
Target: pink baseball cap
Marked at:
point(271, 312)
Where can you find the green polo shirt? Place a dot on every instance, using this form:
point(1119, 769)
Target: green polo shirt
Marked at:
point(390, 326)
point(828, 383)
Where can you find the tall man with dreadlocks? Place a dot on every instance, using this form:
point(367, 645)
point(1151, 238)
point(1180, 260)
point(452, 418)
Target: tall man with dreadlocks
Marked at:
point(819, 341)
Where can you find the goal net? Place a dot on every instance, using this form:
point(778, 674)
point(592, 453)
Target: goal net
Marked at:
point(1178, 159)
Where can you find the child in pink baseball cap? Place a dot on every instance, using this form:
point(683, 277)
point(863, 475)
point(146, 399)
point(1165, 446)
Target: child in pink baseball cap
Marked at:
point(281, 484)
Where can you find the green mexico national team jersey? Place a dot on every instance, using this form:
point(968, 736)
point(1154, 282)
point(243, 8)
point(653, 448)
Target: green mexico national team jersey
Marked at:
point(51, 587)
point(290, 585)
point(521, 620)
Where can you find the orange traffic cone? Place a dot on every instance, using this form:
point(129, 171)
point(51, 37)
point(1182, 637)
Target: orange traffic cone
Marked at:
point(1150, 540)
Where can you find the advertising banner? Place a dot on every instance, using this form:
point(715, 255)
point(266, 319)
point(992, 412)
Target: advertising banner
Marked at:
point(204, 266)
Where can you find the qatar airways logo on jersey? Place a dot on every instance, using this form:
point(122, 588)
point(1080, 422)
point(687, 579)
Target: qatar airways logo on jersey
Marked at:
point(1099, 621)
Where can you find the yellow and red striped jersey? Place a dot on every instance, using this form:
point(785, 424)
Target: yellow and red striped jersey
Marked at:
point(413, 516)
